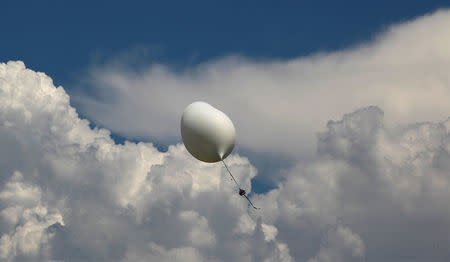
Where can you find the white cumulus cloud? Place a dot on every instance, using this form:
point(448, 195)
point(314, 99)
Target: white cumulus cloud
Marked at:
point(371, 192)
point(68, 193)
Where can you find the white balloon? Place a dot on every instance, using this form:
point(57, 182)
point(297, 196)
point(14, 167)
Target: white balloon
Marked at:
point(207, 133)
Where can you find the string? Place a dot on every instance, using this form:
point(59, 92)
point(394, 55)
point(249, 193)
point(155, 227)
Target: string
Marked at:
point(229, 172)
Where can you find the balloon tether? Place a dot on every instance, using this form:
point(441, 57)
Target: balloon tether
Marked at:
point(230, 174)
point(241, 191)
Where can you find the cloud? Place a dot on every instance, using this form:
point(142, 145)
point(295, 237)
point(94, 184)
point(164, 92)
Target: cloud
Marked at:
point(341, 245)
point(25, 222)
point(278, 106)
point(68, 193)
point(371, 192)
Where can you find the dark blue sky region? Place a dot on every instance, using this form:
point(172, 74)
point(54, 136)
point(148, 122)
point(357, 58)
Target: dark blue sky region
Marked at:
point(62, 38)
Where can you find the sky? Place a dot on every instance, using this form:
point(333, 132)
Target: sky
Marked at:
point(62, 38)
point(67, 40)
point(342, 120)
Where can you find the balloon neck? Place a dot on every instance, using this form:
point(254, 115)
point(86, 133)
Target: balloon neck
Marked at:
point(221, 155)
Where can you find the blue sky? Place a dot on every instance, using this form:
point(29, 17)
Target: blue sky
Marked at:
point(62, 38)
